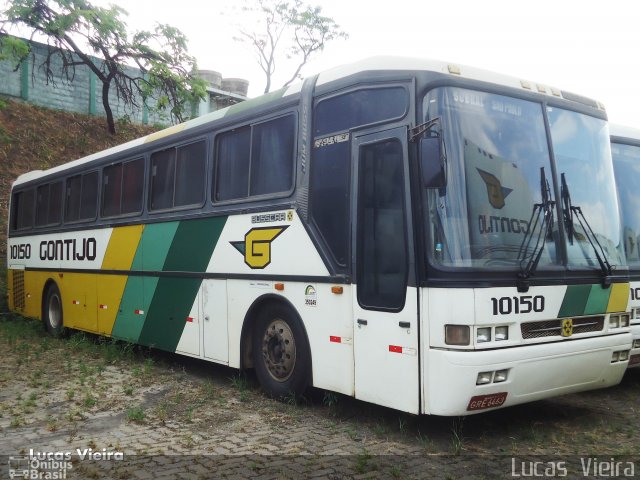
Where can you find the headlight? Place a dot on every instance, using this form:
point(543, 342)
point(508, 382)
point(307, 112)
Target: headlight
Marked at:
point(456, 335)
point(502, 333)
point(484, 378)
point(500, 376)
point(614, 321)
point(484, 334)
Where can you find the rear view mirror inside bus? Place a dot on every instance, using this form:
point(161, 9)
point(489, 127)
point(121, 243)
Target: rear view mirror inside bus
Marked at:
point(432, 163)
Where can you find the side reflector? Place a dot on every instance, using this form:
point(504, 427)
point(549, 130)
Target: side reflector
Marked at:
point(337, 290)
point(342, 340)
point(279, 286)
point(190, 319)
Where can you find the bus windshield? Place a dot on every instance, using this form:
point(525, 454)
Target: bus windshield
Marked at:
point(498, 163)
point(626, 162)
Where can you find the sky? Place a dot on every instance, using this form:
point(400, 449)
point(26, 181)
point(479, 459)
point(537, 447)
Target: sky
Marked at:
point(586, 47)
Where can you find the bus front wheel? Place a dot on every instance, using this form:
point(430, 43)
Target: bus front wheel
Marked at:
point(53, 312)
point(282, 359)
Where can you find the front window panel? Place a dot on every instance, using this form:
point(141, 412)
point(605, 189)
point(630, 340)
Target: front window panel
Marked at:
point(626, 164)
point(497, 154)
point(581, 148)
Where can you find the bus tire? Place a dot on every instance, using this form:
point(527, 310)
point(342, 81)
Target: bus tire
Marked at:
point(281, 355)
point(53, 318)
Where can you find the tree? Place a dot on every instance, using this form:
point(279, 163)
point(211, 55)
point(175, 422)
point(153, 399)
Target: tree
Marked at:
point(302, 27)
point(81, 34)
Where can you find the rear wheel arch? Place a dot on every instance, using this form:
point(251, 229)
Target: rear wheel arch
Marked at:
point(248, 328)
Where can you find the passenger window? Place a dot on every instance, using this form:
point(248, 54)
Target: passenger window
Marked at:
point(111, 190)
point(190, 174)
point(72, 204)
point(255, 160)
point(82, 197)
point(89, 198)
point(42, 205)
point(178, 176)
point(162, 177)
point(23, 203)
point(122, 188)
point(54, 216)
point(233, 160)
point(49, 204)
point(132, 186)
point(272, 156)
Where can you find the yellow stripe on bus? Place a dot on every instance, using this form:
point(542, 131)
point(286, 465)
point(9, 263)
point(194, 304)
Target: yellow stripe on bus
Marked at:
point(164, 133)
point(122, 247)
point(619, 298)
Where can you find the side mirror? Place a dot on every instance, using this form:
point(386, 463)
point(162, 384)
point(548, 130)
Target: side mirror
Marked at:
point(432, 163)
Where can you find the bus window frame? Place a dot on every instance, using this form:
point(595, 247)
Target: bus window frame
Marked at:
point(408, 85)
point(146, 200)
point(267, 196)
point(82, 174)
point(143, 193)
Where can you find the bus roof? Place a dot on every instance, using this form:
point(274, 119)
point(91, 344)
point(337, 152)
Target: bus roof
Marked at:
point(366, 65)
point(622, 131)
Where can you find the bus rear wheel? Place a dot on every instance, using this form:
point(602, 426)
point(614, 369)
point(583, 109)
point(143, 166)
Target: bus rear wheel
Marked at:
point(53, 318)
point(282, 359)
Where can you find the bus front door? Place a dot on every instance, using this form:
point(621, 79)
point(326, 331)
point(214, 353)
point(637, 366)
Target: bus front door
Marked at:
point(385, 303)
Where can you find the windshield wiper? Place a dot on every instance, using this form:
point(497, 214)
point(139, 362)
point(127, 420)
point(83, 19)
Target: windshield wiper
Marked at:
point(542, 214)
point(568, 211)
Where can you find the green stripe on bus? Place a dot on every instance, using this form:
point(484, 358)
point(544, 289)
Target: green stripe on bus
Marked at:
point(575, 300)
point(154, 245)
point(190, 251)
point(138, 293)
point(598, 300)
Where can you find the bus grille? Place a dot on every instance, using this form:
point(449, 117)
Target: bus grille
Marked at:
point(18, 289)
point(553, 328)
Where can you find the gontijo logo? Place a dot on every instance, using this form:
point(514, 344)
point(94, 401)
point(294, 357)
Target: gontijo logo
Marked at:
point(495, 191)
point(256, 247)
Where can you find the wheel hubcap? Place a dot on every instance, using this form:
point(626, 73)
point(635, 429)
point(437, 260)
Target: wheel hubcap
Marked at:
point(55, 317)
point(279, 350)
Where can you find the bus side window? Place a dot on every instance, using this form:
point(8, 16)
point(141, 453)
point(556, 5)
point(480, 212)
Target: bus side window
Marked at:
point(272, 156)
point(42, 200)
point(54, 216)
point(190, 174)
point(162, 179)
point(23, 205)
point(132, 186)
point(82, 197)
point(232, 164)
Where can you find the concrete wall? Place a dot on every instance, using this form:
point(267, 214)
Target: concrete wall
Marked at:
point(83, 93)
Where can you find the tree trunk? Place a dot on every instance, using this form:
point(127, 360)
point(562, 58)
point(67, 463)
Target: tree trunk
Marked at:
point(111, 126)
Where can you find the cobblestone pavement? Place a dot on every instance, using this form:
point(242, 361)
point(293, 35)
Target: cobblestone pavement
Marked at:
point(158, 415)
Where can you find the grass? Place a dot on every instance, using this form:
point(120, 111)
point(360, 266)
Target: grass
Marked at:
point(135, 414)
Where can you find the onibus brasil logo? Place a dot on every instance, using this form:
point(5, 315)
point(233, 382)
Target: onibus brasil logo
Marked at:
point(256, 246)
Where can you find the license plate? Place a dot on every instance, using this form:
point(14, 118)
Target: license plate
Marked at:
point(480, 402)
point(634, 360)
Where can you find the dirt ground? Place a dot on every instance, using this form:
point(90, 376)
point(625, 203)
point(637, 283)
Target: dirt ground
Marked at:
point(86, 407)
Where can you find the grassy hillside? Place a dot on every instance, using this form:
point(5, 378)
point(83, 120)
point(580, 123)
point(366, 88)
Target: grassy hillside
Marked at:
point(36, 138)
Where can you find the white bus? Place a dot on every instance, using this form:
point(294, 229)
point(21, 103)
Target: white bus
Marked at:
point(424, 236)
point(625, 148)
